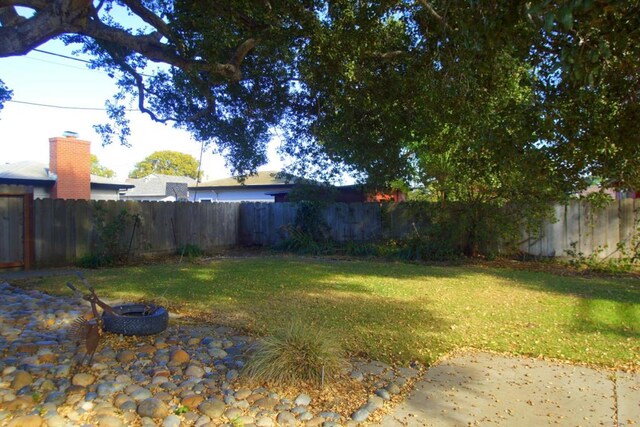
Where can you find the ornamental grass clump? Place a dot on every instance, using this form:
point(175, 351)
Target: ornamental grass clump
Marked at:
point(295, 354)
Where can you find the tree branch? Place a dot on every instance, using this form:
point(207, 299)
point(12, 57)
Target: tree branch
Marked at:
point(58, 17)
point(433, 13)
point(122, 63)
point(31, 4)
point(9, 17)
point(149, 17)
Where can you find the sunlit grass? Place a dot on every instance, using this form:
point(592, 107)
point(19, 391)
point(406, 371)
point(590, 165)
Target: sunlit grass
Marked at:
point(398, 311)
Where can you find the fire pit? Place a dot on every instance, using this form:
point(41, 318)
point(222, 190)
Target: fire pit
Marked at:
point(135, 319)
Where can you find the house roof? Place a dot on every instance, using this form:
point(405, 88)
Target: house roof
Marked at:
point(156, 184)
point(34, 173)
point(261, 180)
point(27, 171)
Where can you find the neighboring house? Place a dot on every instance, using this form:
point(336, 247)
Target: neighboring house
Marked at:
point(66, 177)
point(268, 186)
point(263, 187)
point(614, 194)
point(158, 188)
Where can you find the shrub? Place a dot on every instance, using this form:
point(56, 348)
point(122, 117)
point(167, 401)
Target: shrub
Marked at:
point(91, 261)
point(190, 251)
point(298, 353)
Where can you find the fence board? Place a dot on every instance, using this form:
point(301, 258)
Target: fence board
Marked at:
point(65, 230)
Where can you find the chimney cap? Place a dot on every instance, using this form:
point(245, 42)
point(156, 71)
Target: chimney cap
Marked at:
point(69, 134)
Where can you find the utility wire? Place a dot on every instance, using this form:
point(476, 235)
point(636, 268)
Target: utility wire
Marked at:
point(62, 56)
point(63, 107)
point(77, 59)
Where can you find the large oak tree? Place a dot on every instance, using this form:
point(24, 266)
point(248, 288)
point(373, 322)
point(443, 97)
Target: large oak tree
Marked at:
point(391, 89)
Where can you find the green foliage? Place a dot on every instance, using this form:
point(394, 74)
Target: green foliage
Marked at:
point(5, 94)
point(296, 354)
point(309, 234)
point(309, 221)
point(167, 163)
point(517, 101)
point(111, 245)
point(100, 170)
point(190, 250)
point(91, 261)
point(180, 410)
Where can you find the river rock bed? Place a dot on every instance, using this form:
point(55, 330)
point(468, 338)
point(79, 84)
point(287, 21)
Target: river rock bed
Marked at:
point(188, 375)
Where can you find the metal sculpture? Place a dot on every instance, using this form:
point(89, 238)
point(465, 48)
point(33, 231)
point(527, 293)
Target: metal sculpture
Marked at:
point(87, 329)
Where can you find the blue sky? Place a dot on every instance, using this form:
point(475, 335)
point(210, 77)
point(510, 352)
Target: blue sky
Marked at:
point(45, 79)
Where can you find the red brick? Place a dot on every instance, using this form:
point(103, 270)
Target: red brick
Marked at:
point(70, 160)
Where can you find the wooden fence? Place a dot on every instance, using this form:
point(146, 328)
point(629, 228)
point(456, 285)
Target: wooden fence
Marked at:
point(65, 230)
point(582, 228)
point(268, 223)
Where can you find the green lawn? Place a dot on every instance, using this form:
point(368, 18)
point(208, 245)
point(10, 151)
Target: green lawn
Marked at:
point(398, 311)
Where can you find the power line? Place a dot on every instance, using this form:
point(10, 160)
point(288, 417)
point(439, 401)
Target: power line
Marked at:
point(64, 65)
point(62, 107)
point(62, 56)
point(79, 60)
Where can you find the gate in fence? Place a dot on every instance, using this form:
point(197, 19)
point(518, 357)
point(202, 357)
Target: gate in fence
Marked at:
point(16, 226)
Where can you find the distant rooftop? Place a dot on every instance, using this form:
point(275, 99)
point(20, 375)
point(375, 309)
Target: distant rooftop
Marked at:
point(262, 179)
point(28, 171)
point(155, 184)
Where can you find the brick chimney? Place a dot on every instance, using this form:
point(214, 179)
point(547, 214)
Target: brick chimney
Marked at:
point(70, 159)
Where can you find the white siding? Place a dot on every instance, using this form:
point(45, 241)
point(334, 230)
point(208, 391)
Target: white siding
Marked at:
point(246, 194)
point(103, 194)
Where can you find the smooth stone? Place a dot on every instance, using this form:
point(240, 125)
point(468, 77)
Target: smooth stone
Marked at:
point(126, 356)
point(56, 397)
point(373, 403)
point(305, 416)
point(360, 415)
point(194, 371)
point(141, 394)
point(83, 379)
point(286, 419)
point(180, 356)
point(26, 421)
point(192, 401)
point(242, 394)
point(232, 413)
point(108, 421)
point(213, 408)
point(357, 375)
point(21, 379)
point(393, 388)
point(153, 408)
point(303, 400)
point(202, 420)
point(382, 393)
point(266, 403)
point(264, 422)
point(171, 421)
point(245, 420)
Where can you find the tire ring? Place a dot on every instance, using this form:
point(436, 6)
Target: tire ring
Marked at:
point(131, 320)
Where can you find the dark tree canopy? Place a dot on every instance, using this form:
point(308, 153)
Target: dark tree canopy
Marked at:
point(467, 98)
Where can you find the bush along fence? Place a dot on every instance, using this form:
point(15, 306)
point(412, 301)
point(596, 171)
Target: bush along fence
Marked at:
point(103, 232)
